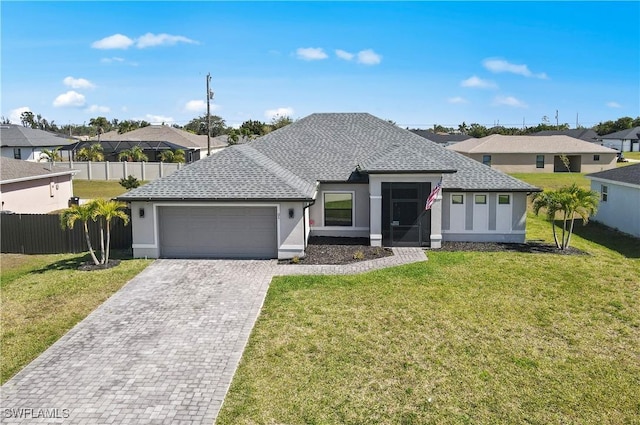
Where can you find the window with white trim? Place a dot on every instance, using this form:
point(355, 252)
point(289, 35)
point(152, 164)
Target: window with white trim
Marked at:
point(457, 199)
point(480, 199)
point(338, 209)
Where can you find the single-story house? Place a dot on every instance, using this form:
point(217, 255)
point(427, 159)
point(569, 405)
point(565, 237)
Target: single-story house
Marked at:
point(544, 154)
point(443, 139)
point(619, 191)
point(26, 143)
point(153, 140)
point(328, 174)
point(623, 141)
point(586, 134)
point(34, 187)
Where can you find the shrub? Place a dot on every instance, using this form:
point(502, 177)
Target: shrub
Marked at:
point(130, 182)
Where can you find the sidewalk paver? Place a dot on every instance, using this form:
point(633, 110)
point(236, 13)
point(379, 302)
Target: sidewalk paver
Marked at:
point(161, 350)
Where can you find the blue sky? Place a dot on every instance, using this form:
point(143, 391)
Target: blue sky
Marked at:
point(416, 63)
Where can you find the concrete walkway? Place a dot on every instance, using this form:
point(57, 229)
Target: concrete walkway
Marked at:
point(161, 350)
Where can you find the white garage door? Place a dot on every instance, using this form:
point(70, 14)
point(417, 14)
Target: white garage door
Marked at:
point(218, 232)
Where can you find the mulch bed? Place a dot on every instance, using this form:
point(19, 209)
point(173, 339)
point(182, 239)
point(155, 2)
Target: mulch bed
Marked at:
point(528, 247)
point(90, 265)
point(328, 250)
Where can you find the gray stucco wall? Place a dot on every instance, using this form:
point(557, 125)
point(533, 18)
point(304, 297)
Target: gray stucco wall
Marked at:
point(622, 209)
point(360, 226)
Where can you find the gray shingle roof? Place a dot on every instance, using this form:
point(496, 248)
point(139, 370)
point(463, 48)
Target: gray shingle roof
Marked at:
point(441, 138)
point(12, 135)
point(629, 134)
point(18, 170)
point(586, 134)
point(328, 147)
point(627, 174)
point(165, 133)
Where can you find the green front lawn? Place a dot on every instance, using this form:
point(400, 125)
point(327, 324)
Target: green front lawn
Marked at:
point(43, 296)
point(632, 155)
point(554, 180)
point(466, 337)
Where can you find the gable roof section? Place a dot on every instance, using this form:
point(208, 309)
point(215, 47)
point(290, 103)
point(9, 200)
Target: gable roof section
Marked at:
point(15, 170)
point(629, 134)
point(12, 135)
point(586, 134)
point(497, 143)
point(330, 147)
point(441, 138)
point(629, 174)
point(163, 133)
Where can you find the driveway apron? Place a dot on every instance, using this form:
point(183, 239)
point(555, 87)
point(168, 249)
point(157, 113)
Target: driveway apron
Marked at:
point(163, 349)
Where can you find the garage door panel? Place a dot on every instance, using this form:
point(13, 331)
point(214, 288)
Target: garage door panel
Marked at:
point(218, 232)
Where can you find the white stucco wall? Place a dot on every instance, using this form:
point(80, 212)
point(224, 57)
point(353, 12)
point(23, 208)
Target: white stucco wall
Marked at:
point(621, 210)
point(38, 196)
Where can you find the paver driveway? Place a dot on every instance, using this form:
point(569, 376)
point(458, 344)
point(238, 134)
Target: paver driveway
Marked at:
point(162, 350)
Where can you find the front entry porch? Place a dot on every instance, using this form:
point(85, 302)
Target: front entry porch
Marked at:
point(404, 219)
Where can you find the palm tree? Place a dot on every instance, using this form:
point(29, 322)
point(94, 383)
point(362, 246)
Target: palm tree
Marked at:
point(106, 211)
point(92, 153)
point(172, 156)
point(52, 155)
point(135, 154)
point(83, 213)
point(569, 201)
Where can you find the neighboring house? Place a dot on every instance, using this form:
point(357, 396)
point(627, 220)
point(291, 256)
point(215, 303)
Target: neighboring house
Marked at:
point(619, 191)
point(531, 154)
point(623, 141)
point(330, 174)
point(153, 140)
point(586, 134)
point(442, 138)
point(27, 144)
point(34, 188)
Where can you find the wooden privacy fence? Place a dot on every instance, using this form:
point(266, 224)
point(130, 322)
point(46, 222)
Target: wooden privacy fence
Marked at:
point(42, 234)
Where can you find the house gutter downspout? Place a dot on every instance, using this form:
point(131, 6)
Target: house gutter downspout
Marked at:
point(304, 222)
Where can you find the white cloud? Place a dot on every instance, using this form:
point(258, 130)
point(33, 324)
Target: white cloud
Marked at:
point(509, 101)
point(369, 57)
point(613, 104)
point(501, 65)
point(478, 83)
point(343, 54)
point(116, 41)
point(93, 109)
point(279, 112)
point(196, 106)
point(69, 99)
point(112, 59)
point(14, 114)
point(157, 119)
point(152, 40)
point(457, 100)
point(78, 83)
point(311, 53)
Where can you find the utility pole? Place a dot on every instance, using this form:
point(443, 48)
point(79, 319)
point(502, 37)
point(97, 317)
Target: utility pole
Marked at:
point(557, 125)
point(209, 97)
point(577, 122)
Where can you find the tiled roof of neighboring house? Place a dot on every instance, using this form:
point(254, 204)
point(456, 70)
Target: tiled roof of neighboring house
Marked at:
point(165, 133)
point(586, 134)
point(629, 134)
point(331, 147)
point(12, 135)
point(627, 174)
point(441, 138)
point(497, 143)
point(13, 170)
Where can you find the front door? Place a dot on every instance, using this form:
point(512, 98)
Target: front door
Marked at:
point(404, 220)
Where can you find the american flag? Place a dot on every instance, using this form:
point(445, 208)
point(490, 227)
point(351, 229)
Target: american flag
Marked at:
point(433, 195)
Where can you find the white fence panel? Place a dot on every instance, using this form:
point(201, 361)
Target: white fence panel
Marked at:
point(147, 171)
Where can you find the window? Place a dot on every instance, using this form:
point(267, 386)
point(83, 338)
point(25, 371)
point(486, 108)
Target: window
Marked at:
point(457, 199)
point(539, 161)
point(16, 153)
point(481, 199)
point(338, 209)
point(596, 157)
point(604, 193)
point(504, 199)
point(486, 160)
